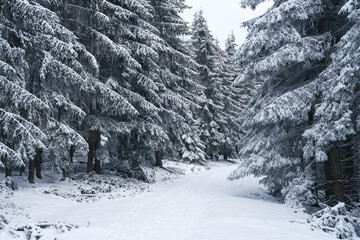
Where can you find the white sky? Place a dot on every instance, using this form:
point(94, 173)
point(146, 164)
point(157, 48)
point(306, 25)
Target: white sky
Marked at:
point(224, 16)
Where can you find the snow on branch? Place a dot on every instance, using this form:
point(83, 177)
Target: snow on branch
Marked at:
point(291, 106)
point(111, 101)
point(63, 136)
point(266, 40)
point(337, 221)
point(114, 50)
point(20, 97)
point(134, 98)
point(34, 16)
point(12, 158)
point(250, 3)
point(60, 101)
point(15, 127)
point(290, 11)
point(107, 125)
point(305, 50)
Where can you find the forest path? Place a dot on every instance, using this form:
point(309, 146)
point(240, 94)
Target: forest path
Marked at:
point(198, 206)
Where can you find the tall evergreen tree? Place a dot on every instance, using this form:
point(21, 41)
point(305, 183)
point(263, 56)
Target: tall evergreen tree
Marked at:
point(61, 73)
point(296, 134)
point(230, 46)
point(205, 53)
point(177, 72)
point(217, 71)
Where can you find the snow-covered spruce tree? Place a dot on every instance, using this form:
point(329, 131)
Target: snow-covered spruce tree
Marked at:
point(287, 53)
point(177, 73)
point(65, 76)
point(121, 35)
point(110, 36)
point(232, 99)
point(231, 46)
point(336, 116)
point(217, 71)
point(50, 67)
point(205, 53)
point(21, 112)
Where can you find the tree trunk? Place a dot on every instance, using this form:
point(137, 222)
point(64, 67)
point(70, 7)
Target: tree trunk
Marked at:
point(94, 142)
point(8, 172)
point(225, 156)
point(97, 166)
point(38, 160)
point(158, 160)
point(333, 175)
point(31, 177)
point(325, 28)
point(90, 161)
point(65, 15)
point(71, 153)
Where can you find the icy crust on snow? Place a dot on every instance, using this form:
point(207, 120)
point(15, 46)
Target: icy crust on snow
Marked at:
point(336, 221)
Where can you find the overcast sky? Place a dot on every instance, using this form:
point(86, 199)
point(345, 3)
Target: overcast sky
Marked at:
point(224, 16)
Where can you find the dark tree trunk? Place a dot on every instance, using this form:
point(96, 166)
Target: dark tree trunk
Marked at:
point(8, 172)
point(71, 153)
point(67, 169)
point(38, 160)
point(94, 141)
point(90, 161)
point(97, 166)
point(158, 160)
point(225, 156)
point(333, 176)
point(65, 14)
point(31, 177)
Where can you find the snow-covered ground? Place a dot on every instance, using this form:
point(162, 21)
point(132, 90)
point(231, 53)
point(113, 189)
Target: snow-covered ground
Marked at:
point(201, 205)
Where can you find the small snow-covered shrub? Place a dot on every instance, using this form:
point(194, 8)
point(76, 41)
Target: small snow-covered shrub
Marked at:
point(336, 220)
point(40, 230)
point(11, 184)
point(298, 194)
point(92, 187)
point(6, 187)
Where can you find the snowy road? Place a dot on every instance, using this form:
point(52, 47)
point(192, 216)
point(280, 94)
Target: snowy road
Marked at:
point(199, 206)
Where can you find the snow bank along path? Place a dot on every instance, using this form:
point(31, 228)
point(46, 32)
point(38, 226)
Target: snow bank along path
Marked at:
point(198, 206)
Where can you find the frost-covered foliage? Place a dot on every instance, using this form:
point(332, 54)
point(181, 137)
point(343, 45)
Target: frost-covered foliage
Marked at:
point(177, 71)
point(217, 70)
point(337, 221)
point(302, 58)
point(193, 149)
point(20, 110)
point(299, 192)
point(111, 78)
